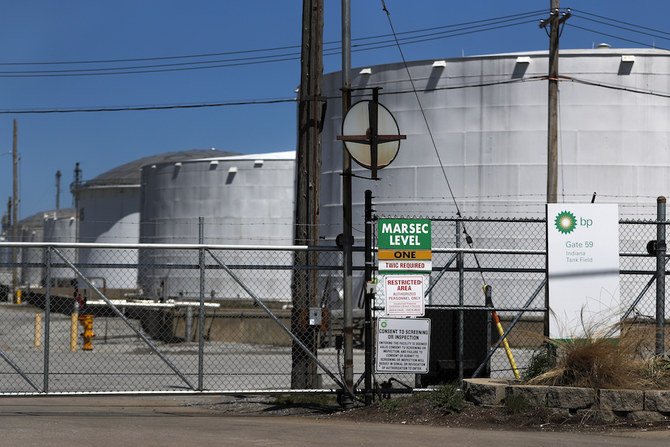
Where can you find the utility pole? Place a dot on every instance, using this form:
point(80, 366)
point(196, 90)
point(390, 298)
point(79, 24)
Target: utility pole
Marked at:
point(308, 166)
point(554, 21)
point(15, 211)
point(347, 238)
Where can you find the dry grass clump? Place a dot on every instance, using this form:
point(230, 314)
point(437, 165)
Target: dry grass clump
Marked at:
point(612, 363)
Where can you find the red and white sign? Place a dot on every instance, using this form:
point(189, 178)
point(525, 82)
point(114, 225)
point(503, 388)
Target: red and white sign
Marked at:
point(404, 295)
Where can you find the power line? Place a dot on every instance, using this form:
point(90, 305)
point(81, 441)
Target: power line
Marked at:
point(290, 100)
point(234, 62)
point(616, 87)
point(270, 49)
point(622, 22)
point(615, 37)
point(625, 28)
point(233, 103)
point(145, 108)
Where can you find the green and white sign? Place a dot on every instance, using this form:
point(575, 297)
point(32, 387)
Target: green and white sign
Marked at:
point(583, 268)
point(404, 245)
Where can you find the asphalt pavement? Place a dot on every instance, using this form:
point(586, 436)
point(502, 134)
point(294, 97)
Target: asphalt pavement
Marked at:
point(101, 421)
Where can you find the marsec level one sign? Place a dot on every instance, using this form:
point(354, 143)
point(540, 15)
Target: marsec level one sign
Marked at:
point(404, 245)
point(403, 345)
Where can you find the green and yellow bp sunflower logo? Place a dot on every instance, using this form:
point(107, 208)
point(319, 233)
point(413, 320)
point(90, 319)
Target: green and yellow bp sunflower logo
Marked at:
point(565, 222)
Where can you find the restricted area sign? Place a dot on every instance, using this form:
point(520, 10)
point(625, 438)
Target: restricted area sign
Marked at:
point(403, 345)
point(404, 295)
point(404, 245)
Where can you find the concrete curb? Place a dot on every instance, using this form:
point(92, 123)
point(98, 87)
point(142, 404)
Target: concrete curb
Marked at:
point(638, 405)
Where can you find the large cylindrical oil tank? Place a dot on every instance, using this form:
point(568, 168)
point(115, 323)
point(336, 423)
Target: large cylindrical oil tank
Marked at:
point(32, 258)
point(242, 200)
point(5, 270)
point(60, 226)
point(487, 145)
point(109, 212)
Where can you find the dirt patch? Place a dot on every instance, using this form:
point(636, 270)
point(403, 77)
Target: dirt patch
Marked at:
point(421, 409)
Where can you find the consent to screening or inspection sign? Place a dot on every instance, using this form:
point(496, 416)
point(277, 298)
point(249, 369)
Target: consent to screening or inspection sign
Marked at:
point(404, 245)
point(403, 345)
point(583, 268)
point(404, 295)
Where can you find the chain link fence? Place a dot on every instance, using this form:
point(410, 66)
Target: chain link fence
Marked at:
point(509, 255)
point(241, 318)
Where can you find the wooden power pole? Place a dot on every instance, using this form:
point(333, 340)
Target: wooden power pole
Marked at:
point(554, 21)
point(308, 165)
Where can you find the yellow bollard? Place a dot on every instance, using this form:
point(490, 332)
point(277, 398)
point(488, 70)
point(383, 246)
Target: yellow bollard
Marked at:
point(18, 296)
point(73, 331)
point(88, 334)
point(38, 330)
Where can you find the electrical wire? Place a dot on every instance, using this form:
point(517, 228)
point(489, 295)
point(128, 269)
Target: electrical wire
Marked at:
point(637, 42)
point(240, 61)
point(290, 100)
point(622, 27)
point(468, 238)
point(621, 22)
point(614, 87)
point(271, 49)
point(236, 103)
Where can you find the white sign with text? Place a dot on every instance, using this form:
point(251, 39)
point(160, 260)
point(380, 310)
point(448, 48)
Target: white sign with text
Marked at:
point(583, 267)
point(404, 295)
point(403, 345)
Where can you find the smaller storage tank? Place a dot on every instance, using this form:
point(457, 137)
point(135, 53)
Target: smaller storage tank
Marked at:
point(109, 212)
point(61, 226)
point(32, 258)
point(242, 199)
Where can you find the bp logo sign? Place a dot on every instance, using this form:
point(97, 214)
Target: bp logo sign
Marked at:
point(565, 222)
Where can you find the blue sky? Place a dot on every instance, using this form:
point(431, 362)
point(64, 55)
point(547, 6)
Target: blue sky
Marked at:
point(83, 30)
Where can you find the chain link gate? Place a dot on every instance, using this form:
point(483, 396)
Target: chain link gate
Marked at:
point(217, 321)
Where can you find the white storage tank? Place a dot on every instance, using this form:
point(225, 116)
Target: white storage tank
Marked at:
point(488, 117)
point(60, 226)
point(245, 200)
point(109, 212)
point(32, 258)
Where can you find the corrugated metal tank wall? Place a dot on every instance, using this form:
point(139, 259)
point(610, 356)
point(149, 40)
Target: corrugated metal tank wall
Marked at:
point(61, 226)
point(110, 214)
point(244, 200)
point(491, 136)
point(32, 258)
point(5, 258)
point(109, 210)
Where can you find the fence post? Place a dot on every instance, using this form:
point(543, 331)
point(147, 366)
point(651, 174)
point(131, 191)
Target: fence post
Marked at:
point(201, 316)
point(47, 317)
point(461, 302)
point(661, 249)
point(369, 297)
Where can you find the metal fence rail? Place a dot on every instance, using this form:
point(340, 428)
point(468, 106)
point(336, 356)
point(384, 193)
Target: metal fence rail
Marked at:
point(221, 318)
